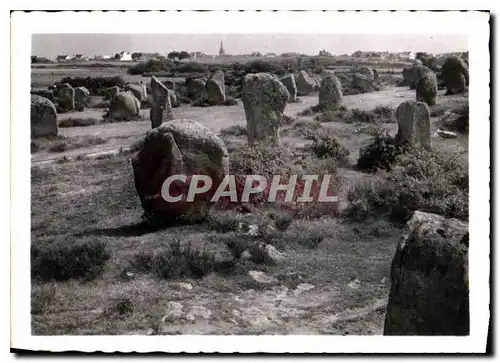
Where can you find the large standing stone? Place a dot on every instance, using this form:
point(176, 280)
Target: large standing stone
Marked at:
point(177, 147)
point(139, 90)
point(414, 74)
point(455, 73)
point(173, 98)
point(289, 82)
point(65, 98)
point(305, 84)
point(195, 88)
point(82, 98)
point(43, 117)
point(215, 89)
point(161, 109)
point(363, 82)
point(367, 72)
point(264, 99)
point(429, 274)
point(414, 124)
point(111, 92)
point(427, 88)
point(124, 107)
point(330, 93)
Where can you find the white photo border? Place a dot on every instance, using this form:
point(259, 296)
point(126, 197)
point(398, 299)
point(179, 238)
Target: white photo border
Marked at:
point(473, 24)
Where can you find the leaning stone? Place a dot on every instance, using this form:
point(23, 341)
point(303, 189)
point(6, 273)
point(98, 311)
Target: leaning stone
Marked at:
point(262, 278)
point(43, 117)
point(264, 99)
point(305, 84)
point(414, 124)
point(215, 89)
point(289, 82)
point(446, 134)
point(66, 98)
point(429, 279)
point(427, 88)
point(82, 98)
point(161, 109)
point(139, 90)
point(124, 107)
point(330, 93)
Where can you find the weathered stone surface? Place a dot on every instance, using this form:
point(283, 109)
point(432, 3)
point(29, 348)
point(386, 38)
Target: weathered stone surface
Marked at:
point(305, 84)
point(427, 88)
point(43, 117)
point(264, 99)
point(363, 82)
point(47, 93)
point(330, 93)
point(65, 98)
point(195, 88)
point(455, 73)
point(429, 279)
point(414, 74)
point(367, 72)
point(414, 124)
point(124, 107)
point(177, 147)
point(262, 278)
point(139, 90)
point(289, 82)
point(111, 92)
point(82, 98)
point(215, 88)
point(376, 77)
point(161, 109)
point(173, 98)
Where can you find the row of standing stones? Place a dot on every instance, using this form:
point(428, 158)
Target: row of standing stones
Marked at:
point(429, 274)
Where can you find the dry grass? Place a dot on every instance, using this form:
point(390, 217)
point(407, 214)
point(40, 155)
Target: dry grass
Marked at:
point(60, 144)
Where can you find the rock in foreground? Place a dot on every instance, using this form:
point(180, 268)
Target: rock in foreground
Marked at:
point(430, 289)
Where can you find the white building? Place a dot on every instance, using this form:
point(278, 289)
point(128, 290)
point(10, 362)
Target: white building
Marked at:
point(125, 56)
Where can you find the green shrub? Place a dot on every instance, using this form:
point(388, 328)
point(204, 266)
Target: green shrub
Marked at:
point(419, 180)
point(62, 261)
point(381, 153)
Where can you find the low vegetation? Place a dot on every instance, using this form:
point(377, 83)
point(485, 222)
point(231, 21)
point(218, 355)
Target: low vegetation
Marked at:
point(58, 144)
point(381, 153)
point(418, 180)
point(96, 85)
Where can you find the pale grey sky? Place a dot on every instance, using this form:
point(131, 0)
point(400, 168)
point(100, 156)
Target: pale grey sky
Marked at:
point(50, 45)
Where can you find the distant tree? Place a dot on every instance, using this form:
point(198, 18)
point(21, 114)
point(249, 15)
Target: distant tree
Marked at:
point(184, 55)
point(136, 55)
point(34, 59)
point(173, 55)
point(117, 56)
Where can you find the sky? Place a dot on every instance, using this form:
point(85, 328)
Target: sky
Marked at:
point(50, 45)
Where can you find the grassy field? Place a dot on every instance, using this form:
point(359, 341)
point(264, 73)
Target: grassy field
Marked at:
point(97, 268)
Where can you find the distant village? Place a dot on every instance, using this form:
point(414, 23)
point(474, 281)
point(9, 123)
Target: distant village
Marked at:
point(125, 56)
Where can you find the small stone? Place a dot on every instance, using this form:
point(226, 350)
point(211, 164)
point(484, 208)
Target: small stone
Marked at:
point(262, 278)
point(174, 311)
point(181, 286)
point(273, 255)
point(303, 288)
point(446, 134)
point(245, 256)
point(354, 284)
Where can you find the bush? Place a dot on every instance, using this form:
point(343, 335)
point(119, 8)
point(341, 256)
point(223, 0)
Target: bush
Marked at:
point(191, 67)
point(62, 261)
point(179, 261)
point(328, 147)
point(419, 180)
point(381, 153)
point(96, 85)
point(151, 66)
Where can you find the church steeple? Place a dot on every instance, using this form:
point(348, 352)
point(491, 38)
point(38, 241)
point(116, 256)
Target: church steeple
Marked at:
point(221, 50)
